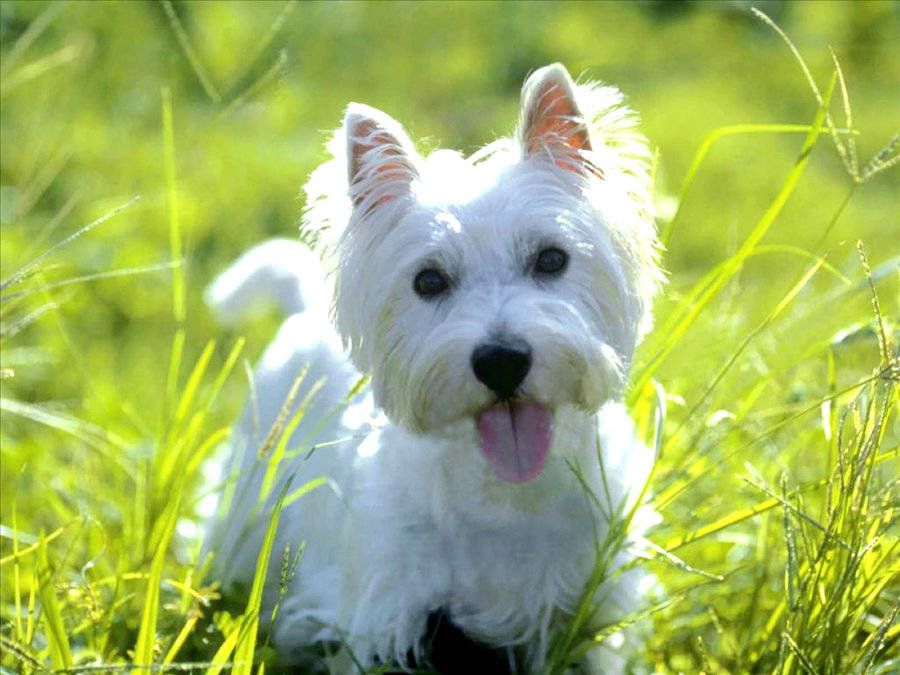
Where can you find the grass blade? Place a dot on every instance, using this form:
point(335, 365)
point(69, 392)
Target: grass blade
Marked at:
point(146, 639)
point(23, 271)
point(711, 139)
point(109, 274)
point(193, 382)
point(57, 637)
point(175, 244)
point(643, 372)
point(175, 250)
point(185, 43)
point(277, 68)
point(19, 553)
point(246, 644)
point(726, 521)
point(30, 34)
point(182, 636)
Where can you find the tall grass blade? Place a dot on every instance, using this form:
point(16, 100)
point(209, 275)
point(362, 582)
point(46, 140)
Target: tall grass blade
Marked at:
point(852, 161)
point(221, 660)
point(272, 73)
point(246, 644)
point(276, 431)
point(731, 266)
point(49, 228)
point(790, 568)
point(57, 636)
point(175, 247)
point(17, 583)
point(38, 186)
point(720, 524)
point(193, 382)
point(181, 638)
point(26, 658)
point(884, 339)
point(15, 327)
point(175, 243)
point(887, 632)
point(824, 101)
point(23, 271)
point(306, 488)
point(263, 44)
point(30, 34)
point(19, 553)
point(635, 617)
point(185, 43)
point(224, 372)
point(277, 456)
point(110, 274)
point(711, 139)
point(805, 661)
point(203, 451)
point(175, 357)
point(146, 639)
point(88, 433)
point(61, 57)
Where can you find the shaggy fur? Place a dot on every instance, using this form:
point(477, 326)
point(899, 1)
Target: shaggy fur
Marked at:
point(418, 516)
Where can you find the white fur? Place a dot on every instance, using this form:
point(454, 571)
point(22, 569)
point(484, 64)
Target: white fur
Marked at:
point(414, 518)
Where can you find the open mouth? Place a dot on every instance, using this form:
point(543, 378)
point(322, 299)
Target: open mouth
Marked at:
point(515, 439)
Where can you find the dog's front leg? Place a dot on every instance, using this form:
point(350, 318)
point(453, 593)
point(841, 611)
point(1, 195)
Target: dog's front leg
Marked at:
point(393, 577)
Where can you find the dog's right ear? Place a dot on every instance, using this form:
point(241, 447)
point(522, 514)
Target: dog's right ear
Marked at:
point(550, 122)
point(380, 157)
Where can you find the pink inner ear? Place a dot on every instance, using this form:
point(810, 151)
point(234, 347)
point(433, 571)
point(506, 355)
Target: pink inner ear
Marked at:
point(377, 158)
point(556, 124)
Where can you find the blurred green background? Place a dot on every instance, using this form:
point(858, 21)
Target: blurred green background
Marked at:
point(81, 133)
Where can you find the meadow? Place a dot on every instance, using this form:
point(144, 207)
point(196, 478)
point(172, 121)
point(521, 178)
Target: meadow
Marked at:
point(145, 145)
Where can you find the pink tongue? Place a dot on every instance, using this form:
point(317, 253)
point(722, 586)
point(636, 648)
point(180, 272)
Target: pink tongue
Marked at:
point(515, 439)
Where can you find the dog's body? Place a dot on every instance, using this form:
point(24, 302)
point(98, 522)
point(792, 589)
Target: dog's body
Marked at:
point(495, 302)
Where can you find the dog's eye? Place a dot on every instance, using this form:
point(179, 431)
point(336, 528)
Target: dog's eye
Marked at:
point(551, 261)
point(430, 283)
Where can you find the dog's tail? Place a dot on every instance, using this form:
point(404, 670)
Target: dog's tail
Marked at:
point(279, 272)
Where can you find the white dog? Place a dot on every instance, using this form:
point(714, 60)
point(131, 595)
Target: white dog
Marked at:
point(494, 301)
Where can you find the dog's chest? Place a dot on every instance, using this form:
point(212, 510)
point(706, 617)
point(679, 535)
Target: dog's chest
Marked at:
point(521, 572)
point(499, 562)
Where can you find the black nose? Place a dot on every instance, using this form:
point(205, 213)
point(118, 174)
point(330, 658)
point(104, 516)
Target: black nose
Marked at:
point(502, 367)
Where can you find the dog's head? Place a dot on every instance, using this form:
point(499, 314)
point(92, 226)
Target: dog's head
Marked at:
point(494, 289)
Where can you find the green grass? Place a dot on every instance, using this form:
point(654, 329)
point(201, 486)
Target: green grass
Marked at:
point(144, 145)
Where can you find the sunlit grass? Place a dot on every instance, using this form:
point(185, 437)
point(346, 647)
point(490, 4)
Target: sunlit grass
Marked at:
point(777, 451)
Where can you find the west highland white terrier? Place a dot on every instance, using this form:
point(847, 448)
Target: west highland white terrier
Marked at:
point(494, 302)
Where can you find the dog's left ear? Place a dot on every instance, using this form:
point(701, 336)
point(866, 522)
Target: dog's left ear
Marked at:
point(380, 157)
point(550, 123)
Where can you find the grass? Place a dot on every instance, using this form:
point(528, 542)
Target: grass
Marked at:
point(768, 388)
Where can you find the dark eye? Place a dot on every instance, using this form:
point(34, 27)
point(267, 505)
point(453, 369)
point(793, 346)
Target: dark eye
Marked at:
point(551, 261)
point(430, 283)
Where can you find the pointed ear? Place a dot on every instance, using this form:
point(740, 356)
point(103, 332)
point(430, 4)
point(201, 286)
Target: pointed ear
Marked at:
point(550, 123)
point(380, 157)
